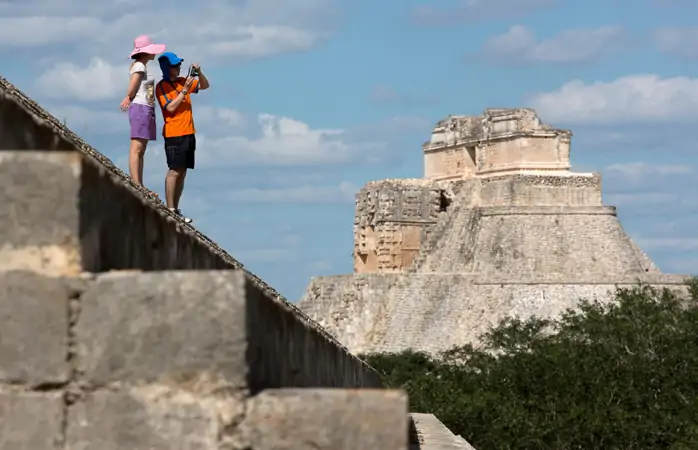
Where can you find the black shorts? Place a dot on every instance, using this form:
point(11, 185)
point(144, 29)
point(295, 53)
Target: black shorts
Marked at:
point(180, 151)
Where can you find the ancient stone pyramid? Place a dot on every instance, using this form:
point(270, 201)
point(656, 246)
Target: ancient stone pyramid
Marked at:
point(498, 226)
point(122, 327)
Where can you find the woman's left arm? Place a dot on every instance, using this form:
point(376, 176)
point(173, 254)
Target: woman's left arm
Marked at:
point(133, 86)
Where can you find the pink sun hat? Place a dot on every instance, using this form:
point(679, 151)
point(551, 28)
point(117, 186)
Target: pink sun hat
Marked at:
point(142, 44)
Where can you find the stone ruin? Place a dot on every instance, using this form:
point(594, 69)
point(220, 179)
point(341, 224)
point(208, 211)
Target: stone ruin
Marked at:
point(123, 328)
point(499, 226)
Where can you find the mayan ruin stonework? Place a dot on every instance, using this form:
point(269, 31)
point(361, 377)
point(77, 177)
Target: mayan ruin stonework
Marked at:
point(121, 327)
point(498, 226)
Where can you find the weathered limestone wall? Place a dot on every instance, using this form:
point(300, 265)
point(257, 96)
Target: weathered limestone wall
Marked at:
point(537, 242)
point(81, 217)
point(498, 142)
point(454, 162)
point(520, 151)
point(435, 311)
point(540, 190)
point(393, 218)
point(345, 305)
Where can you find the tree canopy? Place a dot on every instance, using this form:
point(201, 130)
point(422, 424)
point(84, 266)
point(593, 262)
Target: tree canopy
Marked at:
point(620, 375)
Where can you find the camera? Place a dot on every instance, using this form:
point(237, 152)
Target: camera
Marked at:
point(193, 72)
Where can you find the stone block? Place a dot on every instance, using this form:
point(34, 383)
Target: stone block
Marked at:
point(327, 419)
point(120, 229)
point(144, 418)
point(176, 326)
point(31, 421)
point(168, 326)
point(39, 214)
point(64, 212)
point(34, 320)
point(287, 349)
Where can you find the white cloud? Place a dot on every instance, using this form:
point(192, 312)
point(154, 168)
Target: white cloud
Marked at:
point(26, 32)
point(226, 137)
point(472, 10)
point(342, 193)
point(633, 98)
point(214, 32)
point(255, 41)
point(231, 119)
point(639, 170)
point(678, 41)
point(65, 7)
point(98, 81)
point(520, 45)
point(660, 197)
point(278, 140)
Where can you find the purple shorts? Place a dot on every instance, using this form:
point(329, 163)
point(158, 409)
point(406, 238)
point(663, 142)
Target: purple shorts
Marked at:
point(142, 120)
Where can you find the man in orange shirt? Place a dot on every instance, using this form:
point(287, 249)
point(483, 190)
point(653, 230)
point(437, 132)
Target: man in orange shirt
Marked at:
point(174, 96)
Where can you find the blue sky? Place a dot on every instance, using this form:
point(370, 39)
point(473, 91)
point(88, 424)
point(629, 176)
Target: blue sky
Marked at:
point(310, 99)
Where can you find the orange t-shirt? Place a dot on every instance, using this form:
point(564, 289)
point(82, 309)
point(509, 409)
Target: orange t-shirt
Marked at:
point(180, 122)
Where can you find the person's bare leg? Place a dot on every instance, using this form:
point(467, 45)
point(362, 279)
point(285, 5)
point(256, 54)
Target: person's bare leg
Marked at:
point(180, 186)
point(145, 147)
point(135, 159)
point(171, 184)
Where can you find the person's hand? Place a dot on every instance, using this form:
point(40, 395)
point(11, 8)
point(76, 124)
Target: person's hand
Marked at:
point(196, 66)
point(125, 103)
point(189, 83)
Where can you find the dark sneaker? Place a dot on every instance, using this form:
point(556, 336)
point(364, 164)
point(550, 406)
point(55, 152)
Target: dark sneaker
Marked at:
point(178, 212)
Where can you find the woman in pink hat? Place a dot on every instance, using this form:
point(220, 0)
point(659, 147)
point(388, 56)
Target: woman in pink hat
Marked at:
point(140, 103)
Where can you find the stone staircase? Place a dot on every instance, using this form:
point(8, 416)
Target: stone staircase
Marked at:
point(123, 327)
point(437, 233)
point(453, 252)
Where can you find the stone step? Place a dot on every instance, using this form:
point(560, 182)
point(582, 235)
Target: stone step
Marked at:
point(433, 435)
point(178, 360)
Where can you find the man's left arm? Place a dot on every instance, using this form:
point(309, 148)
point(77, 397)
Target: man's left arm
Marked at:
point(203, 81)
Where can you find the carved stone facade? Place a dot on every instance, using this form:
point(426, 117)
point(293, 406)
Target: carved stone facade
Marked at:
point(498, 226)
point(393, 218)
